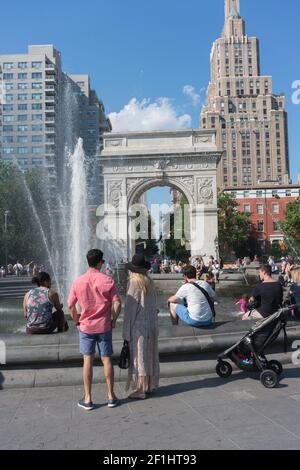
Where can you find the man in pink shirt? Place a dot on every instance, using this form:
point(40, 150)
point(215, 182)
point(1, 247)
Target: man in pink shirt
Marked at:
point(100, 307)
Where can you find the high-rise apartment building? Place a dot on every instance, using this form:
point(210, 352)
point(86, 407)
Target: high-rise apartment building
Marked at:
point(42, 111)
point(250, 120)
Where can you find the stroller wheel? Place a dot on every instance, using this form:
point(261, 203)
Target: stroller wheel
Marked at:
point(224, 369)
point(276, 367)
point(269, 379)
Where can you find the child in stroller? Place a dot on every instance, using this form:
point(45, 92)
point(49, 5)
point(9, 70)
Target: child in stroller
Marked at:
point(248, 354)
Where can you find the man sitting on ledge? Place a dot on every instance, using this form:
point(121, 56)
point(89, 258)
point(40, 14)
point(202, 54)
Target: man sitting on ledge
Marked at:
point(193, 303)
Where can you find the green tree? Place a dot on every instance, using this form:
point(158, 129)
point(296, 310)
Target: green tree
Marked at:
point(23, 236)
point(235, 227)
point(291, 226)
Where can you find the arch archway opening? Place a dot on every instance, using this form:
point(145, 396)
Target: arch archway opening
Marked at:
point(166, 209)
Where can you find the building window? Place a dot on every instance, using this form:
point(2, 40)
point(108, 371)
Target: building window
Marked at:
point(8, 65)
point(260, 226)
point(8, 86)
point(22, 139)
point(260, 209)
point(22, 150)
point(37, 149)
point(8, 128)
point(275, 208)
point(22, 86)
point(22, 65)
point(247, 208)
point(22, 128)
point(37, 75)
point(37, 117)
point(8, 150)
point(37, 86)
point(8, 107)
point(22, 97)
point(276, 226)
point(37, 96)
point(22, 76)
point(37, 138)
point(8, 118)
point(37, 106)
point(37, 127)
point(8, 76)
point(8, 139)
point(36, 65)
point(22, 107)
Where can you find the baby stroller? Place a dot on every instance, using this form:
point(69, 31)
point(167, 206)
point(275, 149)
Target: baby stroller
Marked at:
point(248, 353)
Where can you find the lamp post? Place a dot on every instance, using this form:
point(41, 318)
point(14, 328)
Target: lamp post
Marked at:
point(6, 214)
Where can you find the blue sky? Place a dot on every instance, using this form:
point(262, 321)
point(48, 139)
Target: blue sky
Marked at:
point(138, 49)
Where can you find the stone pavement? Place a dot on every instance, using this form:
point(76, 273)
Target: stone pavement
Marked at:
point(195, 413)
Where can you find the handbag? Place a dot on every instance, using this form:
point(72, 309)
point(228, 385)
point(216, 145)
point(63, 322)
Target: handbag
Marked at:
point(124, 360)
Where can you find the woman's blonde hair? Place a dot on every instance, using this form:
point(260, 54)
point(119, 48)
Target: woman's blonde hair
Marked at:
point(143, 281)
point(296, 274)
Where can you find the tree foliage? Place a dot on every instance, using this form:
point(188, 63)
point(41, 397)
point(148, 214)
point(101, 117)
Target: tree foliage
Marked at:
point(18, 191)
point(235, 227)
point(291, 224)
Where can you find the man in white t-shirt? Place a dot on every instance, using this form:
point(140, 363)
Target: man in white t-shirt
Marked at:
point(190, 303)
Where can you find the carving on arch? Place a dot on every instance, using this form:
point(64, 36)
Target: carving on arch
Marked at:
point(114, 192)
point(205, 191)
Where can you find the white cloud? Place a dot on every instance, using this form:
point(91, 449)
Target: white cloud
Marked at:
point(148, 116)
point(190, 91)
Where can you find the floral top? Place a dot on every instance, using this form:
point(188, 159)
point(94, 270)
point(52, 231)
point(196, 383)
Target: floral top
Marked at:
point(39, 308)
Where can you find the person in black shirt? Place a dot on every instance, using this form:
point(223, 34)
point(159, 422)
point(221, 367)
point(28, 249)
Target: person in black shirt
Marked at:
point(268, 295)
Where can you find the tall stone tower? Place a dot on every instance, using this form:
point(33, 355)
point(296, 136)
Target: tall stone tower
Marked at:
point(250, 120)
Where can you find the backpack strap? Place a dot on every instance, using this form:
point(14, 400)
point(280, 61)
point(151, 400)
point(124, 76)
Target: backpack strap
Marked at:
point(208, 298)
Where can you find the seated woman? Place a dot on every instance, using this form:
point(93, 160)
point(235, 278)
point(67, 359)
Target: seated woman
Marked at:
point(193, 303)
point(38, 307)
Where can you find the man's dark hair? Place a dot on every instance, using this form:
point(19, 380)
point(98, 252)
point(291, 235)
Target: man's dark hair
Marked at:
point(94, 257)
point(266, 269)
point(190, 272)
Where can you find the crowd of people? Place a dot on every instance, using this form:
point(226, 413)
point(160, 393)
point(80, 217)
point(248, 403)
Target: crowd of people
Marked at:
point(100, 307)
point(18, 269)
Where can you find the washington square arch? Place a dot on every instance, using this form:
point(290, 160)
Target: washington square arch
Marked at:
point(135, 162)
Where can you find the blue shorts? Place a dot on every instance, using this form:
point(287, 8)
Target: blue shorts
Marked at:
point(183, 313)
point(103, 341)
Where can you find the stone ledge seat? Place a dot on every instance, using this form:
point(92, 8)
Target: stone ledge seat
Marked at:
point(174, 340)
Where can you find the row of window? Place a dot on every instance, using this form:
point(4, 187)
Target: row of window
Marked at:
point(22, 139)
point(261, 226)
point(23, 107)
point(13, 150)
point(22, 65)
point(260, 208)
point(23, 86)
point(23, 76)
point(22, 117)
point(22, 128)
point(23, 96)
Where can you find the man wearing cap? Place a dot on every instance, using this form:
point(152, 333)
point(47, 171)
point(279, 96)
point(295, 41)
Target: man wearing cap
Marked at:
point(100, 307)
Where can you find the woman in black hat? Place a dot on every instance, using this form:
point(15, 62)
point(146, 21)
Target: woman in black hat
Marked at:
point(140, 329)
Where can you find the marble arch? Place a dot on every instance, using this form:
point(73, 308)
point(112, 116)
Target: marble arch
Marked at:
point(137, 161)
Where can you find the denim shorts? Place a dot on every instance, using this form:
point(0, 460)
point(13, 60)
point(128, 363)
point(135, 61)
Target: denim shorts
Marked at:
point(183, 313)
point(103, 341)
